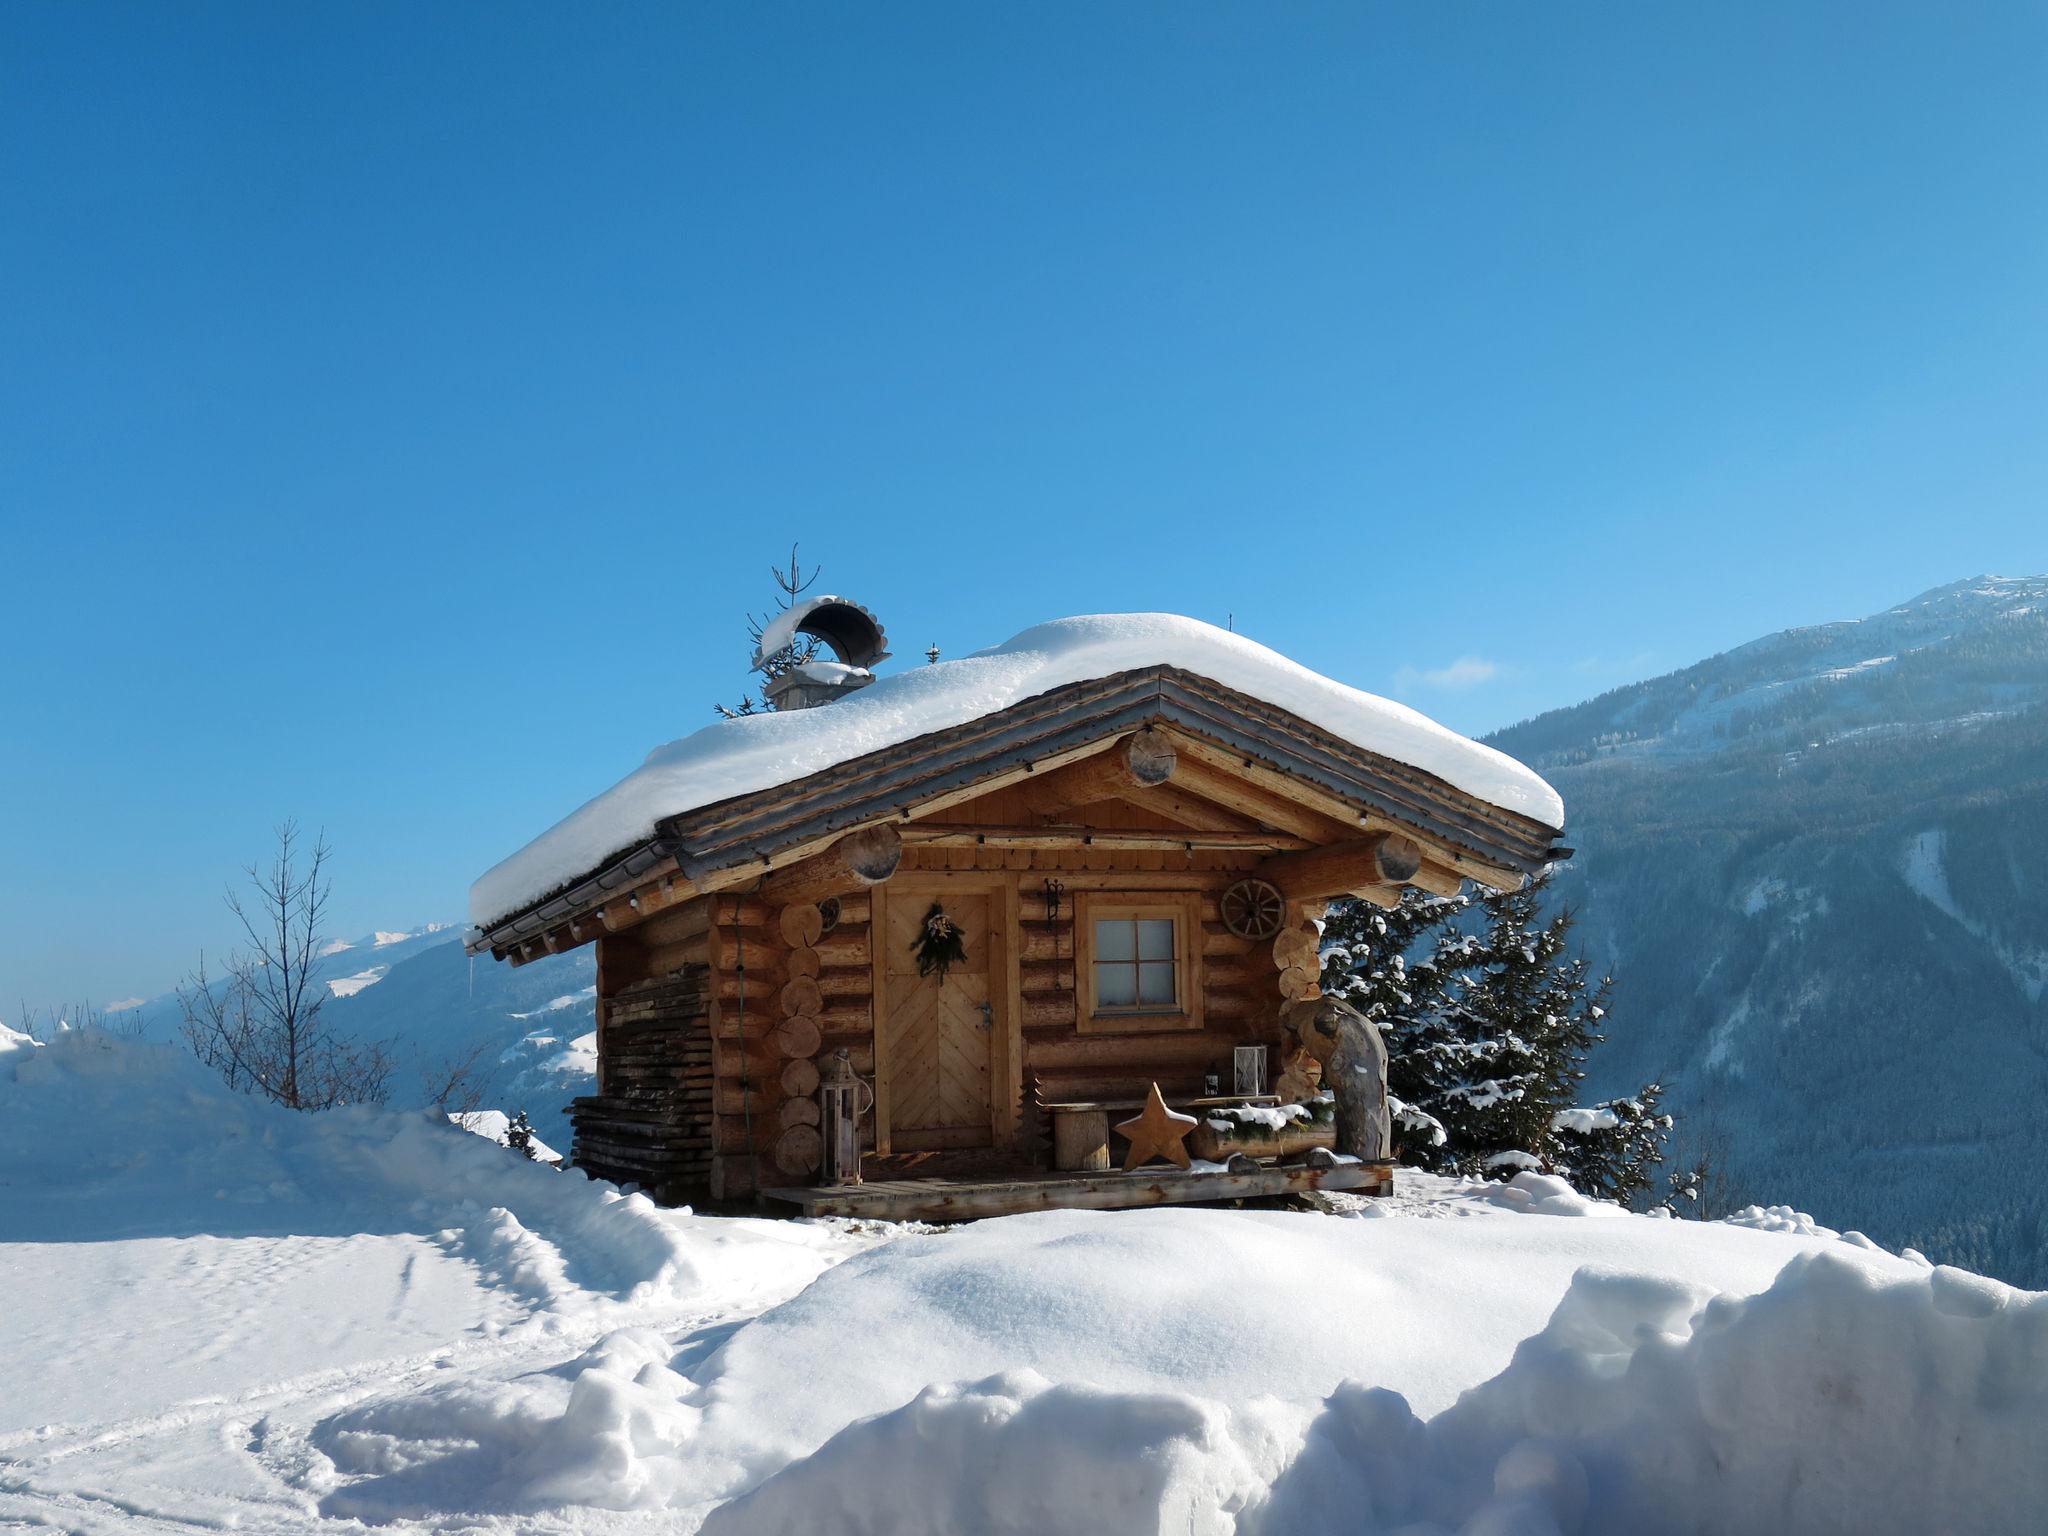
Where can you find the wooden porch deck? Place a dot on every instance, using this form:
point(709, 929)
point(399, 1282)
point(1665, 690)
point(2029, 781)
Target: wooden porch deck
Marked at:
point(967, 1199)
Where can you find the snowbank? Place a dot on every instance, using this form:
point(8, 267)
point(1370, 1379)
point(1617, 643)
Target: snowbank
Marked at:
point(1837, 1400)
point(1543, 1194)
point(1016, 1455)
point(735, 757)
point(95, 1130)
point(192, 1215)
point(1182, 1369)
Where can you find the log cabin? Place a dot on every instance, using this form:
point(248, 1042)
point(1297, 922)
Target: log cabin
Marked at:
point(963, 939)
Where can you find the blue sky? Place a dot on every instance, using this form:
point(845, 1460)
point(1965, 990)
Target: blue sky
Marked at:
point(401, 405)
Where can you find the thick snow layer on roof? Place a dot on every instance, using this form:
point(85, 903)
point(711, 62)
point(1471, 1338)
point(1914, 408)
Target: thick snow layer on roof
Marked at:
point(755, 752)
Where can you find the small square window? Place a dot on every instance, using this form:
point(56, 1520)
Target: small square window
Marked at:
point(1137, 963)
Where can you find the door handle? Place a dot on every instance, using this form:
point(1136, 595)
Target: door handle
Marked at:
point(988, 1016)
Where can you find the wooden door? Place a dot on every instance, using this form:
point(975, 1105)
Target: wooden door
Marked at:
point(938, 1036)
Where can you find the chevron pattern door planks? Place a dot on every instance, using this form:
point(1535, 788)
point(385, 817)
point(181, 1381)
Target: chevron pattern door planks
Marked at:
point(938, 1035)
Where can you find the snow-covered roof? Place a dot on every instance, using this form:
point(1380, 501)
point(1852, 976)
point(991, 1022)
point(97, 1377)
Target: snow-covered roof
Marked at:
point(757, 752)
point(496, 1125)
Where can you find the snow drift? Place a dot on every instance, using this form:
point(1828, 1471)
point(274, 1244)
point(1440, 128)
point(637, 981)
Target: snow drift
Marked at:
point(103, 1137)
point(737, 757)
point(1268, 1373)
point(1837, 1400)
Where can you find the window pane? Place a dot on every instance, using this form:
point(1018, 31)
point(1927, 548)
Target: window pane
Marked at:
point(1155, 938)
point(1116, 939)
point(1116, 985)
point(1155, 982)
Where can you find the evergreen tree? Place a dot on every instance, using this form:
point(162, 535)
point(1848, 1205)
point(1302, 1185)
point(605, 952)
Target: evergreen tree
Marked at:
point(519, 1136)
point(1488, 1018)
point(1613, 1150)
point(1382, 961)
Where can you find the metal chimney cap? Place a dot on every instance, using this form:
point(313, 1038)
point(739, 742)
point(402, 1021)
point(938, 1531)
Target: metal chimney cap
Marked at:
point(851, 630)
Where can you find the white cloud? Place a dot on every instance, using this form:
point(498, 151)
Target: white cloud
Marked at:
point(1465, 672)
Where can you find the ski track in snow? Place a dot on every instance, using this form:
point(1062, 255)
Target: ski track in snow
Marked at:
point(86, 1476)
point(47, 1475)
point(183, 1302)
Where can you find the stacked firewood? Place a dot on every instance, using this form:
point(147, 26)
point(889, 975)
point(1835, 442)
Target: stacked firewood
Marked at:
point(651, 1124)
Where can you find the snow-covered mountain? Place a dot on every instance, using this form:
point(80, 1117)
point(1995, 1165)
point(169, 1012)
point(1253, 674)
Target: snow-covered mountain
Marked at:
point(528, 1028)
point(376, 954)
point(1817, 866)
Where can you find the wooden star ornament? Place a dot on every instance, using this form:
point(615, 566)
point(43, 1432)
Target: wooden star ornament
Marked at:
point(1156, 1132)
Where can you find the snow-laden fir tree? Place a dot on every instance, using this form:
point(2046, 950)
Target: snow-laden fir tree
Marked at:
point(1488, 1018)
point(1367, 962)
point(519, 1136)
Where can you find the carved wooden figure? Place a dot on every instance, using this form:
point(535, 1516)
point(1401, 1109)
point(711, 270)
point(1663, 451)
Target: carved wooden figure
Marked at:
point(1354, 1060)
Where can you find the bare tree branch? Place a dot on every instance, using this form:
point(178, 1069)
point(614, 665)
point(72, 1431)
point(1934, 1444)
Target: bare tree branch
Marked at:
point(53, 1021)
point(259, 1024)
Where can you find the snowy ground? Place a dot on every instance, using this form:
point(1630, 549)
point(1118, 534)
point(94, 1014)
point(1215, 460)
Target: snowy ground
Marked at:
point(218, 1315)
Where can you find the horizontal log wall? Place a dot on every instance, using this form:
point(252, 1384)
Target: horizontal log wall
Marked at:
point(1061, 862)
point(782, 991)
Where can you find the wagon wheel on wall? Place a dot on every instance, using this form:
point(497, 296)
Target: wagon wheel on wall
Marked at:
point(1253, 908)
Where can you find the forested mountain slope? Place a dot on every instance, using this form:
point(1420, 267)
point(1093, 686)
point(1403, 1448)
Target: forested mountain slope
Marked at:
point(1817, 866)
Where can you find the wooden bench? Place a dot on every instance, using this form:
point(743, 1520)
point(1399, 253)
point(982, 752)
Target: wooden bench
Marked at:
point(1080, 1132)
